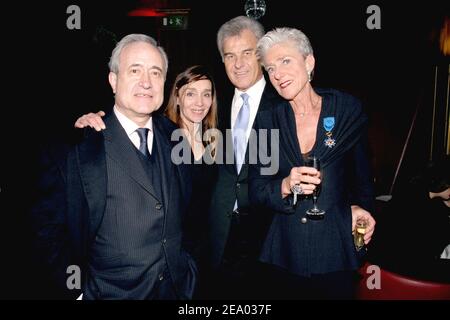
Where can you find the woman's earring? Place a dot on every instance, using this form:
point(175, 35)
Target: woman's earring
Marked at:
point(309, 76)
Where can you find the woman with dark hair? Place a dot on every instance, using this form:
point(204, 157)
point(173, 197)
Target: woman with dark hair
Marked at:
point(193, 107)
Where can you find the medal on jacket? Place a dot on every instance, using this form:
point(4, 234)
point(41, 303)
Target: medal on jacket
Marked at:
point(328, 125)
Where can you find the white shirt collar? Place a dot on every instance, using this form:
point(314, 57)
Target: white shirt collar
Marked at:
point(254, 91)
point(255, 94)
point(128, 124)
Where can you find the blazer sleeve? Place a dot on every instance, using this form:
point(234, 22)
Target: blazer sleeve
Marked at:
point(361, 183)
point(264, 177)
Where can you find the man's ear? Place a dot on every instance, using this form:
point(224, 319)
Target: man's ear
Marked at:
point(310, 62)
point(112, 77)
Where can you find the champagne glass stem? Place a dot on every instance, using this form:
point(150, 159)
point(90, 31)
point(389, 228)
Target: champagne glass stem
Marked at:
point(314, 198)
point(315, 213)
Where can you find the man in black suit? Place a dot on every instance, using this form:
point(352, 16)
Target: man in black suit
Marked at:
point(236, 229)
point(112, 204)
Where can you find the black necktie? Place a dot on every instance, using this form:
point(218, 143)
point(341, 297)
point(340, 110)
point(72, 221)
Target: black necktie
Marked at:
point(143, 148)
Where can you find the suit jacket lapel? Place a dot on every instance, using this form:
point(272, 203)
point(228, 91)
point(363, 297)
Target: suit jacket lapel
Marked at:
point(289, 137)
point(266, 98)
point(225, 127)
point(164, 150)
point(122, 150)
point(228, 156)
point(269, 93)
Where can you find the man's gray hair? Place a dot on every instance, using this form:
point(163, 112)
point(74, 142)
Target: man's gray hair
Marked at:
point(279, 35)
point(235, 26)
point(132, 38)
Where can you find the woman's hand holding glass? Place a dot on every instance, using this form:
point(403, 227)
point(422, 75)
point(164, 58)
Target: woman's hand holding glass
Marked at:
point(301, 181)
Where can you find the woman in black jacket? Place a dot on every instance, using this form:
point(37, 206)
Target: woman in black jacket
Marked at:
point(315, 258)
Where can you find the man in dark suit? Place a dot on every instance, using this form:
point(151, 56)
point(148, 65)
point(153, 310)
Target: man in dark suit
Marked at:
point(112, 204)
point(236, 229)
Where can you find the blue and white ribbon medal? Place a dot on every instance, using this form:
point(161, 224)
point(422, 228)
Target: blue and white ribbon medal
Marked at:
point(328, 125)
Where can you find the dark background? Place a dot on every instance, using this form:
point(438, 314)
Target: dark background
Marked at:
point(55, 75)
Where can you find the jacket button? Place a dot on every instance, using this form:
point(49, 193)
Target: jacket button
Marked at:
point(158, 206)
point(238, 185)
point(161, 277)
point(303, 220)
point(164, 240)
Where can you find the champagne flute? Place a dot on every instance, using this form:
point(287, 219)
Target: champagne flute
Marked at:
point(360, 231)
point(315, 213)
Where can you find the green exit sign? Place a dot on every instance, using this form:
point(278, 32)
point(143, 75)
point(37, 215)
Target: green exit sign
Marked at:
point(176, 22)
